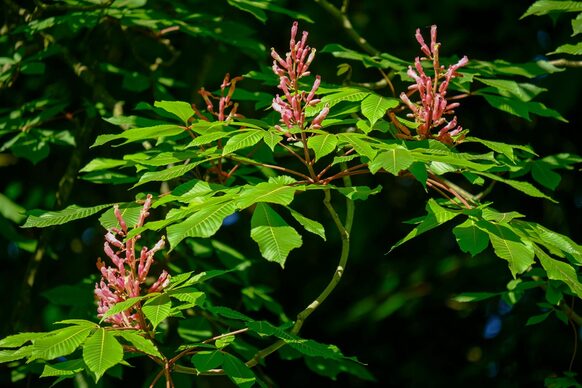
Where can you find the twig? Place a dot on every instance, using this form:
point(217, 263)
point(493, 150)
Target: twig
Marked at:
point(565, 63)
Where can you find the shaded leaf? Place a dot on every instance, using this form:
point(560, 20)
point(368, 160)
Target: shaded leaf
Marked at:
point(558, 270)
point(470, 238)
point(237, 371)
point(206, 360)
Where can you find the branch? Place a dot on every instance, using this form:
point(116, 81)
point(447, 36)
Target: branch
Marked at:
point(342, 18)
point(565, 63)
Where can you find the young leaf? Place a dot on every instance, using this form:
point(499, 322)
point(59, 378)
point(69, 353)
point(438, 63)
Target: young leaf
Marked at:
point(274, 236)
point(102, 351)
point(180, 109)
point(279, 193)
point(157, 309)
point(322, 144)
point(206, 360)
point(470, 238)
point(374, 107)
point(203, 223)
point(59, 342)
point(223, 342)
point(309, 224)
point(393, 161)
point(122, 306)
point(243, 140)
point(237, 371)
point(42, 218)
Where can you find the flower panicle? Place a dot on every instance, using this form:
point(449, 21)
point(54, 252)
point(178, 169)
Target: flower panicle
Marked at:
point(292, 103)
point(431, 111)
point(225, 102)
point(127, 277)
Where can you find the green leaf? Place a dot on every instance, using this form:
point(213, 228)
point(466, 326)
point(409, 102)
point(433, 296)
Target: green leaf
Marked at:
point(203, 223)
point(542, 172)
point(99, 164)
point(207, 138)
point(323, 144)
point(142, 344)
point(359, 142)
point(43, 218)
point(537, 318)
point(508, 88)
point(524, 187)
point(102, 351)
point(17, 340)
point(223, 342)
point(189, 295)
point(374, 107)
point(467, 297)
point(140, 134)
point(278, 193)
point(180, 109)
point(543, 7)
point(315, 349)
point(437, 215)
point(470, 238)
point(393, 161)
point(310, 225)
point(169, 173)
point(331, 368)
point(509, 246)
point(157, 309)
point(9, 355)
point(122, 306)
point(272, 138)
point(229, 313)
point(359, 192)
point(265, 328)
point(237, 371)
point(572, 49)
point(64, 368)
point(274, 236)
point(206, 360)
point(502, 148)
point(59, 342)
point(521, 108)
point(558, 270)
point(245, 139)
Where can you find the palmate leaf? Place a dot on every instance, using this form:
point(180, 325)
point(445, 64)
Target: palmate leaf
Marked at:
point(157, 309)
point(203, 223)
point(509, 246)
point(322, 144)
point(374, 107)
point(558, 270)
point(180, 109)
point(470, 238)
point(102, 351)
point(392, 161)
point(274, 236)
point(140, 134)
point(279, 193)
point(59, 342)
point(42, 218)
point(245, 139)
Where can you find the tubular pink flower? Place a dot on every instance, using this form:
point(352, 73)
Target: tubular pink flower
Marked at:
point(432, 108)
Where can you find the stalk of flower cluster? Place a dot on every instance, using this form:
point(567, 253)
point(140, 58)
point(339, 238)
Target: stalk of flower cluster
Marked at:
point(291, 105)
point(433, 106)
point(224, 100)
point(127, 277)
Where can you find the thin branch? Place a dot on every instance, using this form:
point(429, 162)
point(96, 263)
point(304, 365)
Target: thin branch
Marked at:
point(565, 63)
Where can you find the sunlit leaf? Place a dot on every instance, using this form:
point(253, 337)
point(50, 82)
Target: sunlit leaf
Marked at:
point(102, 351)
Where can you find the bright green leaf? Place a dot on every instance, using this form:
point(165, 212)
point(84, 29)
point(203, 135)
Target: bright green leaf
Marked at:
point(102, 351)
point(374, 107)
point(278, 193)
point(237, 371)
point(393, 161)
point(42, 218)
point(180, 109)
point(323, 144)
point(470, 238)
point(157, 309)
point(309, 224)
point(243, 140)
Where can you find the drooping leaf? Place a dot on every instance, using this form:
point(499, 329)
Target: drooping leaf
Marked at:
point(542, 172)
point(274, 236)
point(243, 140)
point(502, 148)
point(470, 238)
point(157, 309)
point(188, 294)
point(42, 218)
point(524, 187)
point(279, 193)
point(102, 351)
point(309, 224)
point(559, 270)
point(509, 246)
point(522, 108)
point(64, 368)
point(538, 318)
point(180, 109)
point(322, 144)
point(142, 344)
point(17, 340)
point(170, 173)
point(374, 107)
point(203, 223)
point(393, 161)
point(237, 371)
point(9, 355)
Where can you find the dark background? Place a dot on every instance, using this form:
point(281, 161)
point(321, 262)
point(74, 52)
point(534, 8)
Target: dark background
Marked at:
point(393, 311)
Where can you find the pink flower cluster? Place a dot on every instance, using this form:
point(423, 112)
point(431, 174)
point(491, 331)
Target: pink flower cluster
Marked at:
point(433, 105)
point(290, 70)
point(224, 101)
point(127, 276)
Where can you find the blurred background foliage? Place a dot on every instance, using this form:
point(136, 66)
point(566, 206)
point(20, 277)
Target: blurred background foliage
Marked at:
point(66, 64)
